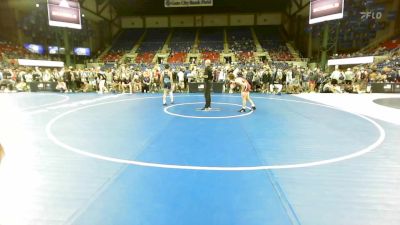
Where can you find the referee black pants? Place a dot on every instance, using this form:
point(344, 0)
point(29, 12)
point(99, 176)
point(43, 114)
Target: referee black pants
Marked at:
point(207, 94)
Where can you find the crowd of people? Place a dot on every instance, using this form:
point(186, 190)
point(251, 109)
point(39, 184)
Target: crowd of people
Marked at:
point(263, 77)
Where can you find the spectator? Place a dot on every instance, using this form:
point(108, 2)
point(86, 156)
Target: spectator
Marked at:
point(335, 76)
point(146, 82)
point(349, 76)
point(181, 80)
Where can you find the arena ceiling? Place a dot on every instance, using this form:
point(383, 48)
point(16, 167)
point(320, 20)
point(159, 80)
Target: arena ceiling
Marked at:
point(156, 7)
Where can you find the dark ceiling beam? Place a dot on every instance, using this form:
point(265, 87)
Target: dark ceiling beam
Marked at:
point(288, 9)
point(300, 7)
point(100, 16)
point(107, 3)
point(115, 17)
point(298, 4)
point(98, 12)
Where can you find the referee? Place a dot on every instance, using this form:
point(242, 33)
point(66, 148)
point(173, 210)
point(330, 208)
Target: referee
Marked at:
point(208, 77)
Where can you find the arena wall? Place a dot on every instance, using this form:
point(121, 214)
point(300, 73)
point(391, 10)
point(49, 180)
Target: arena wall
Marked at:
point(207, 20)
point(242, 20)
point(156, 21)
point(269, 19)
point(217, 20)
point(181, 21)
point(132, 22)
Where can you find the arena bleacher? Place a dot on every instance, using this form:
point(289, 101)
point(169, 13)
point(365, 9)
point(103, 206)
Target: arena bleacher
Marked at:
point(271, 40)
point(182, 43)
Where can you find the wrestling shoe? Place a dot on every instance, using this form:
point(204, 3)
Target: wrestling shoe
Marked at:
point(253, 108)
point(242, 110)
point(165, 104)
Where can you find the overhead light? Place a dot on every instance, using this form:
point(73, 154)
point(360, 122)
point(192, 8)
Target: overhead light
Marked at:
point(37, 5)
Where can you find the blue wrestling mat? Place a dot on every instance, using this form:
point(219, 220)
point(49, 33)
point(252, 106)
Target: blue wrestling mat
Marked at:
point(126, 159)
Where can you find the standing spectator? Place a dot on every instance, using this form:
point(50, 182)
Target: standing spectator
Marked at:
point(256, 80)
point(363, 80)
point(265, 78)
point(101, 76)
point(137, 83)
point(249, 76)
point(221, 75)
point(36, 75)
point(92, 80)
point(276, 84)
point(84, 81)
point(146, 82)
point(69, 80)
point(61, 84)
point(392, 76)
point(109, 78)
point(290, 75)
point(7, 83)
point(175, 79)
point(335, 76)
point(305, 79)
point(320, 79)
point(186, 78)
point(46, 76)
point(181, 80)
point(155, 86)
point(313, 77)
point(348, 76)
point(77, 80)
